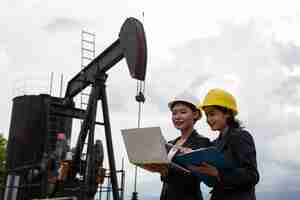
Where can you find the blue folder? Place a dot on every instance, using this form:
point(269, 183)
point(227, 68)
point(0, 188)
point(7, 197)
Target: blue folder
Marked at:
point(210, 155)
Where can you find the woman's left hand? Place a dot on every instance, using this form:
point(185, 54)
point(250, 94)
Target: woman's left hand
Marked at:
point(205, 169)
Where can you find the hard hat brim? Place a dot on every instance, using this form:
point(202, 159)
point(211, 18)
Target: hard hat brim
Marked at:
point(194, 107)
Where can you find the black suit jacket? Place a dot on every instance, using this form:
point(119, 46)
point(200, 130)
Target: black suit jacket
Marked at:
point(238, 184)
point(178, 185)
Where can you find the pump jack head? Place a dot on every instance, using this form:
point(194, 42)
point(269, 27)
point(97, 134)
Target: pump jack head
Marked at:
point(133, 41)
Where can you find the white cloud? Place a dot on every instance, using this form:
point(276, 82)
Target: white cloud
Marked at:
point(246, 62)
point(4, 58)
point(249, 48)
point(288, 150)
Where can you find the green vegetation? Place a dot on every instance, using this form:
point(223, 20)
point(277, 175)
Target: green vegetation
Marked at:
point(3, 142)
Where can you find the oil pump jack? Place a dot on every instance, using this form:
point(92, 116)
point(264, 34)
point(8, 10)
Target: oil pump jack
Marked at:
point(29, 173)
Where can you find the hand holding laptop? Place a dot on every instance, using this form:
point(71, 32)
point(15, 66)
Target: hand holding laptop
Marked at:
point(180, 148)
point(159, 168)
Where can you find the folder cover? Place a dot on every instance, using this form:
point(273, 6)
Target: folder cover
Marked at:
point(210, 155)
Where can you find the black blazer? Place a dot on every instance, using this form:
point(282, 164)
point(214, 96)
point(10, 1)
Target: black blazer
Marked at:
point(239, 184)
point(178, 185)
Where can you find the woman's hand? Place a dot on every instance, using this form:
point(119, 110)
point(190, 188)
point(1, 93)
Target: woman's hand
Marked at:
point(205, 169)
point(184, 149)
point(160, 168)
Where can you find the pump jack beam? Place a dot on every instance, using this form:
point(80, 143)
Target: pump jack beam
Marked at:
point(112, 55)
point(131, 45)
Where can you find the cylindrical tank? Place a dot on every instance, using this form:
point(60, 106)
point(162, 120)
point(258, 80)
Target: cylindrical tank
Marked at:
point(33, 129)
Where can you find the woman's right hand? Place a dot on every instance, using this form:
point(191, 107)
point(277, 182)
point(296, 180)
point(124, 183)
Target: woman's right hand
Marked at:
point(205, 168)
point(160, 168)
point(184, 149)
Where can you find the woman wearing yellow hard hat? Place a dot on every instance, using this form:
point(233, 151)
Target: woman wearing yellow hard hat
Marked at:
point(236, 143)
point(177, 183)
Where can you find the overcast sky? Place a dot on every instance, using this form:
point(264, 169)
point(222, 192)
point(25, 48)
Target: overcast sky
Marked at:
point(251, 49)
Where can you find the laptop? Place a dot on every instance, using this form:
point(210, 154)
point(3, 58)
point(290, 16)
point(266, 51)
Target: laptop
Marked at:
point(147, 146)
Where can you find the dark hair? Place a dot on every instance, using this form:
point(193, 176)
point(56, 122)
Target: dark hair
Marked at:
point(191, 106)
point(231, 121)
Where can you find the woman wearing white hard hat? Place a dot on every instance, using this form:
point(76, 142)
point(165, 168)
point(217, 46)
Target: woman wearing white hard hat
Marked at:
point(177, 184)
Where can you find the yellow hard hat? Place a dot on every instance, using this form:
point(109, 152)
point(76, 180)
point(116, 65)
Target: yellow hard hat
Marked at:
point(219, 97)
point(187, 98)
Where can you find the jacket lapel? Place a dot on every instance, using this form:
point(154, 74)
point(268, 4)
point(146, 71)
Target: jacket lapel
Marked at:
point(189, 139)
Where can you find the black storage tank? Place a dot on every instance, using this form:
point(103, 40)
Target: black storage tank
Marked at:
point(33, 129)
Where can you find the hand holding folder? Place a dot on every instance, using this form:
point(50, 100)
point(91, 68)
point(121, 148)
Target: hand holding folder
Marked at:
point(209, 155)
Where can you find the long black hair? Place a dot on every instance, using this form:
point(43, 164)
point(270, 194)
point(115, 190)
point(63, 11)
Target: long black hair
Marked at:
point(232, 121)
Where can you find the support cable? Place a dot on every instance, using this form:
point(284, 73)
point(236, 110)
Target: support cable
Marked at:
point(140, 98)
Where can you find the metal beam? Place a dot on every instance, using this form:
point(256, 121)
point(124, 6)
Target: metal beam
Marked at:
point(66, 111)
point(102, 63)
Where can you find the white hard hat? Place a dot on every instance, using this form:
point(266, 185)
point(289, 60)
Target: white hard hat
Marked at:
point(187, 98)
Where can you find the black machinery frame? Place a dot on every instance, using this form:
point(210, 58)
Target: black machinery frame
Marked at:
point(131, 44)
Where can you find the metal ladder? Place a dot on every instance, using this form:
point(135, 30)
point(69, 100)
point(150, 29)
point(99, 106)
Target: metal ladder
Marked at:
point(88, 41)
